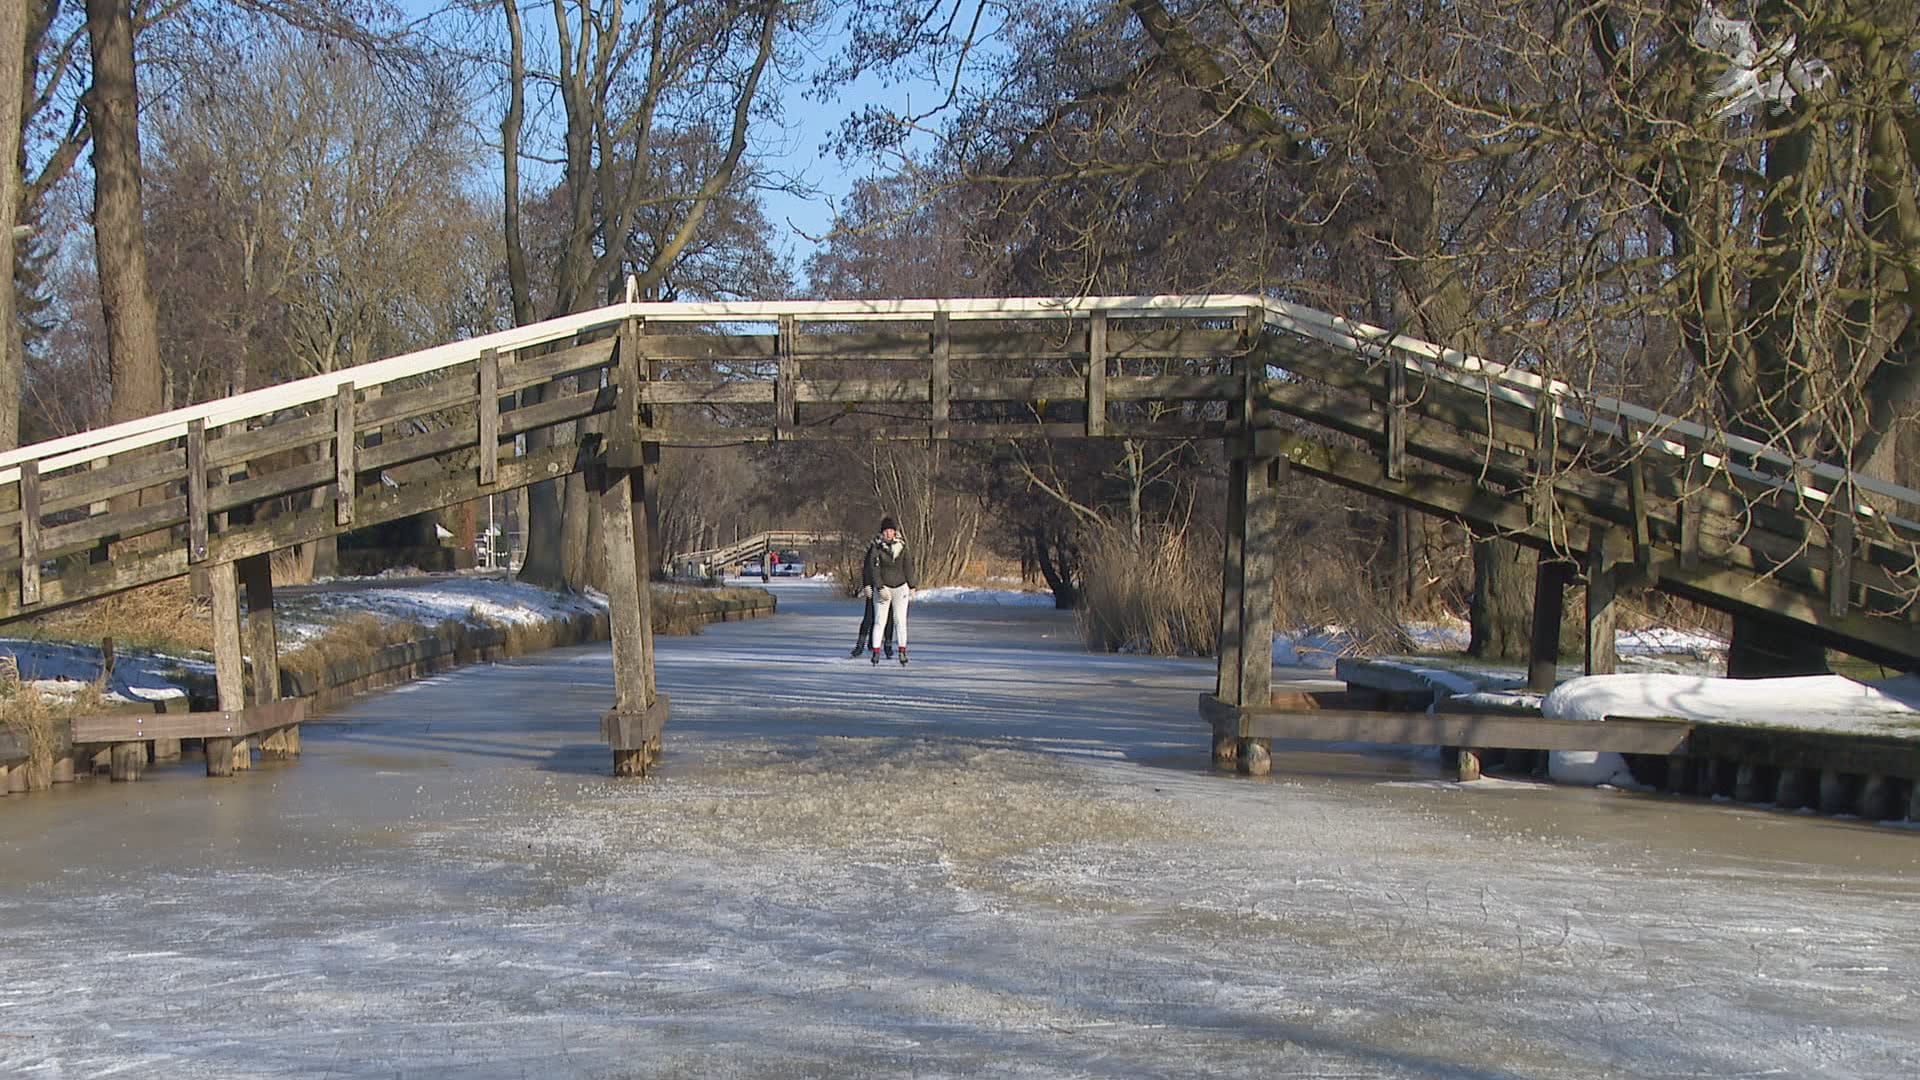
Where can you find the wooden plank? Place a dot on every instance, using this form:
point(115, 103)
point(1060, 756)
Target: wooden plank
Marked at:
point(522, 370)
point(29, 532)
point(197, 509)
point(1037, 388)
point(343, 455)
point(1395, 459)
point(1097, 374)
point(487, 372)
point(1840, 566)
point(720, 392)
point(785, 405)
point(1172, 388)
point(1479, 730)
point(237, 446)
point(108, 480)
point(940, 378)
point(224, 723)
point(385, 407)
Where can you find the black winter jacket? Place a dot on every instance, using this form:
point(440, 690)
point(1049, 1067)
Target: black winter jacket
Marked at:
point(888, 565)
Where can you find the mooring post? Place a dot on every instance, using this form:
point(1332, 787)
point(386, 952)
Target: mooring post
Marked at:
point(229, 666)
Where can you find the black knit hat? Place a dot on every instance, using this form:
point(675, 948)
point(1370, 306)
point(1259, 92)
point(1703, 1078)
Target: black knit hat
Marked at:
point(887, 523)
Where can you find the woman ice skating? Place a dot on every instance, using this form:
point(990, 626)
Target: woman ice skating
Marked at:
point(888, 573)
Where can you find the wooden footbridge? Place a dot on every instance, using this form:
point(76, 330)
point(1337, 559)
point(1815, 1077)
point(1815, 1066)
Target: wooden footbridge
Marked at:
point(1618, 489)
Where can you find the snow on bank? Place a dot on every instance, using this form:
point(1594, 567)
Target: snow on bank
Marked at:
point(62, 671)
point(472, 600)
point(1828, 703)
point(1824, 703)
point(962, 594)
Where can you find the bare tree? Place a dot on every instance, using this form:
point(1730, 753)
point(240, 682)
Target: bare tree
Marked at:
point(120, 246)
point(629, 83)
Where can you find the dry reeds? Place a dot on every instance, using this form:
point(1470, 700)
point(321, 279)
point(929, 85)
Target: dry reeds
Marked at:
point(32, 720)
point(1157, 594)
point(162, 617)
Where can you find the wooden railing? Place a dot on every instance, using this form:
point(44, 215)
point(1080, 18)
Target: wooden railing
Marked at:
point(1698, 510)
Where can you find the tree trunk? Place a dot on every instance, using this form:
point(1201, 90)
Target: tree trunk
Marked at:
point(1502, 611)
point(13, 36)
point(120, 239)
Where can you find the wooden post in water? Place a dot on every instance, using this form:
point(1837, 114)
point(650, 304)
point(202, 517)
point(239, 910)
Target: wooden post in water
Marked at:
point(1603, 656)
point(1233, 580)
point(263, 644)
point(229, 665)
point(632, 728)
point(1549, 602)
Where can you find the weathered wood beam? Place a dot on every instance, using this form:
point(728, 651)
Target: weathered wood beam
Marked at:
point(197, 508)
point(487, 416)
point(1602, 652)
point(940, 377)
point(30, 592)
point(786, 405)
point(1887, 640)
point(1549, 604)
point(343, 454)
point(229, 665)
point(1097, 375)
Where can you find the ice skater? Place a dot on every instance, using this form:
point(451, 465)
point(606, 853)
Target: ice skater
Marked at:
point(887, 576)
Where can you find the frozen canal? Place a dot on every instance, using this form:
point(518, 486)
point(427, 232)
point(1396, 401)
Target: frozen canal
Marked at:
point(1006, 860)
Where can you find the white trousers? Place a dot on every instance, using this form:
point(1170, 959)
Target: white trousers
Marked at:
point(895, 599)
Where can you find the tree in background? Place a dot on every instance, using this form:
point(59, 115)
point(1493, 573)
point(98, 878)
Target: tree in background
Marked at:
point(629, 85)
point(119, 226)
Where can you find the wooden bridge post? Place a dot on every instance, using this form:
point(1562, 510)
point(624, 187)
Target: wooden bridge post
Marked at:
point(1233, 580)
point(1549, 603)
point(1603, 657)
point(263, 644)
point(1246, 609)
point(229, 667)
point(632, 728)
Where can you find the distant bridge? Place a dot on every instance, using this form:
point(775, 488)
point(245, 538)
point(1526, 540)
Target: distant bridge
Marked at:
point(761, 544)
point(1626, 491)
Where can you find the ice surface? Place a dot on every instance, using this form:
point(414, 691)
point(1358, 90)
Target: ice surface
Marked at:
point(1009, 859)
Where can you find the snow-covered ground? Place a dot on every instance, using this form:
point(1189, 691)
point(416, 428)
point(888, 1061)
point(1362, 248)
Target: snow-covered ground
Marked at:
point(1009, 859)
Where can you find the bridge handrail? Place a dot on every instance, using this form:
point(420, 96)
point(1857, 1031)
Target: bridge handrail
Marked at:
point(1524, 388)
point(1496, 379)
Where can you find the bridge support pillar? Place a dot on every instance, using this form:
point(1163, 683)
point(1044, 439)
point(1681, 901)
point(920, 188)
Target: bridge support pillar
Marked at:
point(1603, 656)
point(632, 728)
point(1549, 603)
point(229, 668)
point(1245, 672)
point(263, 645)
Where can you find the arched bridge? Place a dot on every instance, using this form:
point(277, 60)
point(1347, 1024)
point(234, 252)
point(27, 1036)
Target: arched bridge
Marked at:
point(220, 485)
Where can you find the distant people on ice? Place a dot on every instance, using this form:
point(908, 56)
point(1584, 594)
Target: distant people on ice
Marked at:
point(886, 580)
